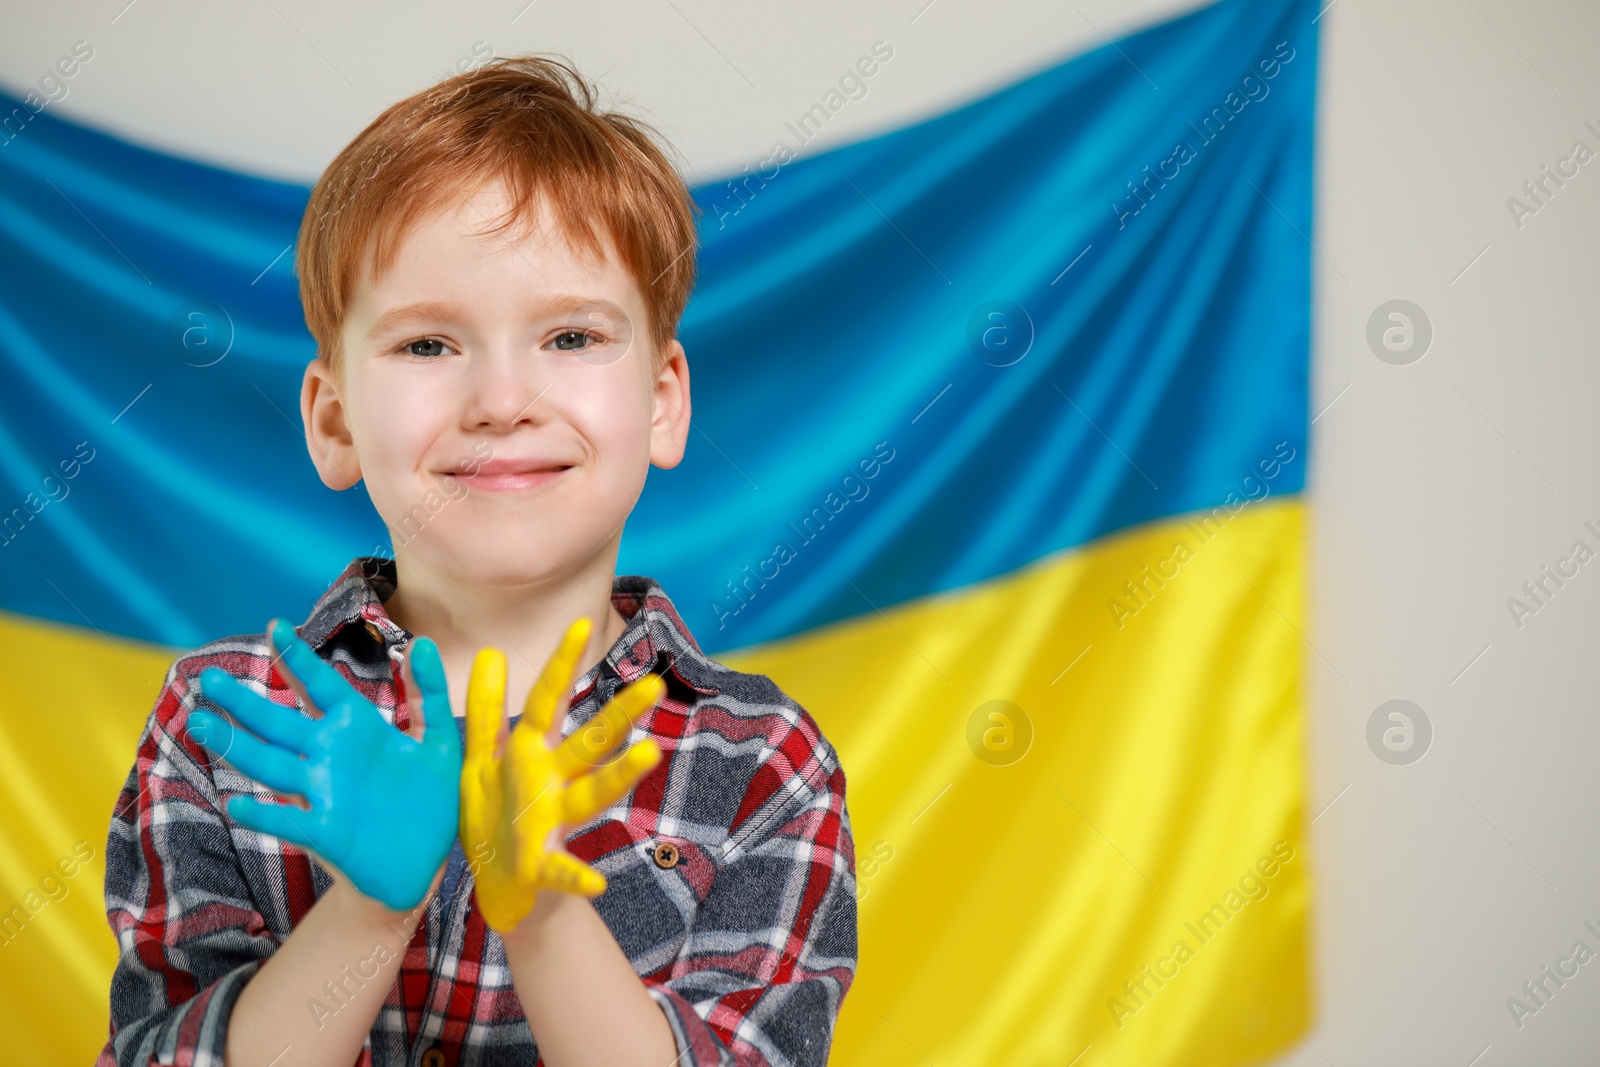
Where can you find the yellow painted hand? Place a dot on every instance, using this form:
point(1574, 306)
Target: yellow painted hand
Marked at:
point(516, 805)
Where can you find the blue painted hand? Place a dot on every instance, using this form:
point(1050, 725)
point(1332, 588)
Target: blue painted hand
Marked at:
point(382, 805)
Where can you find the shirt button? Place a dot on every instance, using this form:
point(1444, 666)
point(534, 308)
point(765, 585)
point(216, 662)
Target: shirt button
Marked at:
point(433, 1058)
point(666, 856)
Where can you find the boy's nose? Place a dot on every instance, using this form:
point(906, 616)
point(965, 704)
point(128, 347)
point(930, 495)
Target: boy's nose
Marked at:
point(504, 391)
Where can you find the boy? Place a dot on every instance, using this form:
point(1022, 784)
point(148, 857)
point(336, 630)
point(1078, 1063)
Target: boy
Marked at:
point(501, 391)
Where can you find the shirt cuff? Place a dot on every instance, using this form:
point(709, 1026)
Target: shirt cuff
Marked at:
point(698, 1045)
point(194, 1031)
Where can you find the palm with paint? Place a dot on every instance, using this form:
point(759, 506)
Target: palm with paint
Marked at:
point(518, 799)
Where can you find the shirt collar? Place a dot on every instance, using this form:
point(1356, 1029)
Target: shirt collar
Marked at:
point(655, 639)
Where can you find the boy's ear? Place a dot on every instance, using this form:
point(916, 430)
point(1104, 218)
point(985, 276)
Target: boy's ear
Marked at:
point(669, 420)
point(328, 436)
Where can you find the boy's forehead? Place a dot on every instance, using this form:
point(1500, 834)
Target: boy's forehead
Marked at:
point(561, 274)
point(477, 222)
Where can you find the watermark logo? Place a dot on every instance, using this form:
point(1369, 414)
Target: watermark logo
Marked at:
point(1542, 188)
point(1253, 87)
point(1251, 887)
point(870, 864)
point(1399, 332)
point(52, 89)
point(999, 732)
point(1542, 588)
point(999, 332)
point(1547, 983)
point(852, 86)
point(1399, 732)
point(1140, 591)
point(609, 337)
point(55, 490)
point(200, 332)
point(54, 885)
point(784, 552)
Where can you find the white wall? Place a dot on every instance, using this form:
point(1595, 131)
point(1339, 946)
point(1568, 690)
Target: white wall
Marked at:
point(1438, 487)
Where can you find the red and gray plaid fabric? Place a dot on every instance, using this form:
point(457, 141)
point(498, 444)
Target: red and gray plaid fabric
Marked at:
point(747, 942)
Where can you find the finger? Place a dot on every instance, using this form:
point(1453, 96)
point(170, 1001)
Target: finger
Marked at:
point(319, 685)
point(590, 794)
point(273, 767)
point(294, 825)
point(486, 702)
point(589, 745)
point(416, 725)
point(296, 686)
point(566, 872)
point(260, 714)
point(532, 803)
point(481, 803)
point(427, 674)
point(554, 684)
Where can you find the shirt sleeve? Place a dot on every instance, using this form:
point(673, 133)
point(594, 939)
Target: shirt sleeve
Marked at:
point(189, 935)
point(772, 950)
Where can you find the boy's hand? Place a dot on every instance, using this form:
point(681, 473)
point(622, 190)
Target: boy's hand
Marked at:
point(383, 805)
point(515, 806)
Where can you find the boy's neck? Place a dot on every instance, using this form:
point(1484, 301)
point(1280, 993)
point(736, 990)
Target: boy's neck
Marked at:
point(524, 622)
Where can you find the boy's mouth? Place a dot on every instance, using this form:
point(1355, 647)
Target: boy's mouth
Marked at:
point(504, 475)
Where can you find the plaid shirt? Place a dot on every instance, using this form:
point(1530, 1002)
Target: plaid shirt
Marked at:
point(747, 942)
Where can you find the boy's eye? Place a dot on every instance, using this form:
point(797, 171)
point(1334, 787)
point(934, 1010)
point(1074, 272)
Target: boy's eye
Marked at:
point(574, 340)
point(409, 348)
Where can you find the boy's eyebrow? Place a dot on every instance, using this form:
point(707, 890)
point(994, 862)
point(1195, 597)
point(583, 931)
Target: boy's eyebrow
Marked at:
point(424, 309)
point(444, 309)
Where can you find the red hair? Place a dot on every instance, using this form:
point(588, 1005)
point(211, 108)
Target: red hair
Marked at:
point(531, 122)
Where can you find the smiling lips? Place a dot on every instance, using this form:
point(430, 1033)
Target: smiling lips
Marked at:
point(510, 475)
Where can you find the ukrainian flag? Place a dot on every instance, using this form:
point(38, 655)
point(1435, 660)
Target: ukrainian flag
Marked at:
point(997, 467)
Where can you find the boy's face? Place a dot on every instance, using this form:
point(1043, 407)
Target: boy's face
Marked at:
point(528, 357)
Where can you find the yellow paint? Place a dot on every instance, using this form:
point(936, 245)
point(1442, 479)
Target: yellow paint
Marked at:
point(515, 805)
